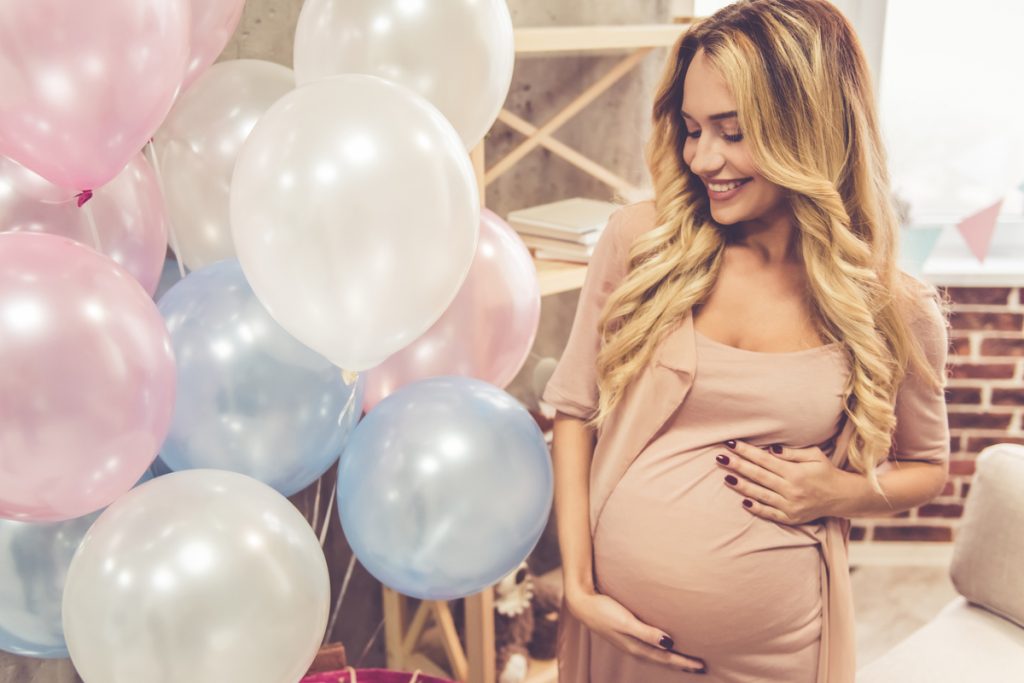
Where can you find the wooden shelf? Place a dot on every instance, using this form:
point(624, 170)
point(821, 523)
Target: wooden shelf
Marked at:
point(549, 39)
point(559, 276)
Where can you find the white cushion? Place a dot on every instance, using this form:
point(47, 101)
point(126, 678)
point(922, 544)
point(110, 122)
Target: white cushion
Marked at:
point(989, 550)
point(961, 644)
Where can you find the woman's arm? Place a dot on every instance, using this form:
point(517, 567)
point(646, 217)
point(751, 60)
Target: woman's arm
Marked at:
point(572, 448)
point(908, 485)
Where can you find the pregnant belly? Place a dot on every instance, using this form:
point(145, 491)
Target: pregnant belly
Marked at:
point(676, 547)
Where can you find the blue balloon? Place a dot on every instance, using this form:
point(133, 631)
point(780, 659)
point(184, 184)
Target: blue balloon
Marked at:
point(251, 398)
point(445, 487)
point(34, 561)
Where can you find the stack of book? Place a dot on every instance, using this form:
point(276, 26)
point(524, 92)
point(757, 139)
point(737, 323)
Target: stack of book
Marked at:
point(565, 230)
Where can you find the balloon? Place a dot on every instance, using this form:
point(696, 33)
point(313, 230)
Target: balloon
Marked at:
point(458, 54)
point(251, 398)
point(487, 332)
point(213, 23)
point(355, 214)
point(444, 487)
point(129, 213)
point(34, 560)
point(16, 181)
point(197, 147)
point(88, 390)
point(85, 84)
point(203, 576)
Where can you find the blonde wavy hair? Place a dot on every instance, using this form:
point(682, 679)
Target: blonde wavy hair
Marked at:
point(805, 104)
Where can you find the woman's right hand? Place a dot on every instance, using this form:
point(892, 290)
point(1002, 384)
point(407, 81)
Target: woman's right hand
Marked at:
point(610, 619)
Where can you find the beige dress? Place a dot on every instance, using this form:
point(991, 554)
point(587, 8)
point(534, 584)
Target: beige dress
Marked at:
point(756, 600)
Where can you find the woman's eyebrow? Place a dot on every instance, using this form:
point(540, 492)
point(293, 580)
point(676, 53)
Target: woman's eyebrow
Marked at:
point(714, 117)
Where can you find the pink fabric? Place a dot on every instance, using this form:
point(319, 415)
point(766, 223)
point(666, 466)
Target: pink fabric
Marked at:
point(649, 405)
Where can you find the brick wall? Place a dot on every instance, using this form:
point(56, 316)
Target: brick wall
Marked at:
point(985, 396)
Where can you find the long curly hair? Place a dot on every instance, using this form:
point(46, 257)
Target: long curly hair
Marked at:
point(805, 103)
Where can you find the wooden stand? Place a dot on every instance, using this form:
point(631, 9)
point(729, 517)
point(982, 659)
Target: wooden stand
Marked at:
point(474, 661)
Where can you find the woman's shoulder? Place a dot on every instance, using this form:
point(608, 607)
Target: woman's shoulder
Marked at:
point(631, 220)
point(924, 308)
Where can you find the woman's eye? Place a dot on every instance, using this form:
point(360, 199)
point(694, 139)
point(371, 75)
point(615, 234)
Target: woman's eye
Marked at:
point(731, 138)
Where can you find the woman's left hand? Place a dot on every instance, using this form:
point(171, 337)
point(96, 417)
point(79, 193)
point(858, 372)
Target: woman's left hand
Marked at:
point(785, 485)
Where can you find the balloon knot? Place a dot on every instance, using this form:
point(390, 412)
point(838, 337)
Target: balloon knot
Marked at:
point(83, 197)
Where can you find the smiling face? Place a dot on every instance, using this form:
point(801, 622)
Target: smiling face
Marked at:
point(716, 152)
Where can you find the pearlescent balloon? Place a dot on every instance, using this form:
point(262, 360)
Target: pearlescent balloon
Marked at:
point(197, 146)
point(129, 214)
point(203, 576)
point(16, 181)
point(34, 560)
point(444, 487)
point(355, 214)
point(487, 332)
point(213, 23)
point(251, 398)
point(87, 391)
point(458, 54)
point(86, 84)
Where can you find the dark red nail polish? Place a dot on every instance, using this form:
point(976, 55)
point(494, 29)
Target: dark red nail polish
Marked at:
point(666, 642)
point(731, 443)
point(724, 459)
point(777, 448)
point(748, 503)
point(729, 479)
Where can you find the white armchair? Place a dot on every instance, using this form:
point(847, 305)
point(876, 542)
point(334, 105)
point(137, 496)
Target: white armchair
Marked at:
point(979, 635)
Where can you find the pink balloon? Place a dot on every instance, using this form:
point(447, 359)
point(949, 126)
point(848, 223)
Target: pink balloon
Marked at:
point(86, 84)
point(19, 183)
point(88, 384)
point(487, 331)
point(131, 219)
point(213, 23)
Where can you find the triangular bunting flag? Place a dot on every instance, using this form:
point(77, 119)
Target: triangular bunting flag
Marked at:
point(977, 229)
point(916, 245)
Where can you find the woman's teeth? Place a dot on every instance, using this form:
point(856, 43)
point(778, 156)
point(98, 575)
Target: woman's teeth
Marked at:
point(726, 187)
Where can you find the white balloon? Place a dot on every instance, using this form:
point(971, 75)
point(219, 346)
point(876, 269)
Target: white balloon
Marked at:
point(197, 146)
point(200, 576)
point(355, 214)
point(459, 54)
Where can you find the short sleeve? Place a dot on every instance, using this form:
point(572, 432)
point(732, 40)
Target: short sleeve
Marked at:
point(572, 388)
point(922, 423)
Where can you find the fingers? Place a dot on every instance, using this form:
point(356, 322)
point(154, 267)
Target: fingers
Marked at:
point(658, 655)
point(657, 646)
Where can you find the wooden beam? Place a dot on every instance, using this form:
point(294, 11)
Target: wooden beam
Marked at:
point(541, 39)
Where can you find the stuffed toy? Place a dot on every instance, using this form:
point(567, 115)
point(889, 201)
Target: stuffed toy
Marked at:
point(525, 622)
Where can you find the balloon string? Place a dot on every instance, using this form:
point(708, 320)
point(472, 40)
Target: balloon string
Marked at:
point(341, 596)
point(349, 378)
point(91, 220)
point(370, 642)
point(327, 517)
point(172, 237)
point(316, 504)
point(352, 676)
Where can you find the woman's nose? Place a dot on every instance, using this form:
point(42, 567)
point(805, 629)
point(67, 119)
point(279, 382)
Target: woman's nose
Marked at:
point(706, 161)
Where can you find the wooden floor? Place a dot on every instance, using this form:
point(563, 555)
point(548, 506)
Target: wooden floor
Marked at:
point(891, 602)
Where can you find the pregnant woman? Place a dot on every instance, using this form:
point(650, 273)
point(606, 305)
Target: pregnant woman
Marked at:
point(747, 370)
